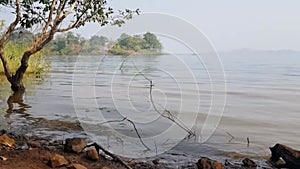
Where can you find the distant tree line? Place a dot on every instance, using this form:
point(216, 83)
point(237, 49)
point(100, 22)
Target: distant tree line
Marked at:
point(74, 44)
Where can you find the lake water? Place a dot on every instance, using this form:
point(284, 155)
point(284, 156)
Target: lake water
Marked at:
point(262, 103)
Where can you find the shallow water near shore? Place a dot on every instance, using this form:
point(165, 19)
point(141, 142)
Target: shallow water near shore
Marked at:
point(262, 101)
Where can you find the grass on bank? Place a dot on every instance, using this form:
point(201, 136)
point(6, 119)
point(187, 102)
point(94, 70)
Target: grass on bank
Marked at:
point(14, 52)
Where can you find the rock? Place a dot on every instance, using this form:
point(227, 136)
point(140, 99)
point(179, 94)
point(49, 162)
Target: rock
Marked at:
point(249, 163)
point(218, 165)
point(92, 154)
point(155, 161)
point(76, 166)
point(75, 145)
point(7, 141)
point(57, 161)
point(105, 167)
point(132, 164)
point(290, 157)
point(3, 158)
point(206, 163)
point(34, 144)
point(227, 163)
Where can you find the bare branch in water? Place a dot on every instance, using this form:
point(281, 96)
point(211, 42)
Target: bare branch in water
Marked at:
point(169, 115)
point(134, 126)
point(248, 142)
point(123, 62)
point(136, 131)
point(114, 121)
point(232, 137)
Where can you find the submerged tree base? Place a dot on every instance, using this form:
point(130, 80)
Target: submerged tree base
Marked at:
point(18, 88)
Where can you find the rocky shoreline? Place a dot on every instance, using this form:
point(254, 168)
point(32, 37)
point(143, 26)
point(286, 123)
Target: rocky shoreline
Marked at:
point(19, 151)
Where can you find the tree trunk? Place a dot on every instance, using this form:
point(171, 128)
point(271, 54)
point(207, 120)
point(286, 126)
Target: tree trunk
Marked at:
point(16, 82)
point(16, 79)
point(17, 86)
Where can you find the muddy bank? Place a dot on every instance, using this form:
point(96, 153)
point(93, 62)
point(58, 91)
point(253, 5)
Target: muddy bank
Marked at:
point(20, 151)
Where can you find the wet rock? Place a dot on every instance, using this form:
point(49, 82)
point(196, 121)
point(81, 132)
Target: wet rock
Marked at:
point(3, 158)
point(206, 163)
point(57, 161)
point(5, 140)
point(249, 163)
point(105, 167)
point(76, 166)
point(92, 154)
point(144, 165)
point(132, 164)
point(3, 132)
point(290, 156)
point(75, 145)
point(155, 161)
point(34, 144)
point(227, 163)
point(24, 147)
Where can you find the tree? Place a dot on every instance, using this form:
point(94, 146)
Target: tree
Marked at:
point(72, 39)
point(135, 43)
point(123, 36)
point(58, 44)
point(98, 41)
point(21, 35)
point(1, 24)
point(152, 42)
point(52, 16)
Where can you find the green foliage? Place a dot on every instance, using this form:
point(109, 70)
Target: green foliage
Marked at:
point(58, 45)
point(95, 45)
point(14, 52)
point(123, 36)
point(2, 23)
point(36, 12)
point(72, 39)
point(152, 42)
point(65, 44)
point(18, 43)
point(22, 36)
point(135, 43)
point(117, 50)
point(146, 44)
point(98, 41)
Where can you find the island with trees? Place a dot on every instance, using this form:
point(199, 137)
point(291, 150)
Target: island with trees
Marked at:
point(74, 44)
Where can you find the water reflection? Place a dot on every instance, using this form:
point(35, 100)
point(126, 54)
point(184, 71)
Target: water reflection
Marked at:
point(17, 102)
point(17, 97)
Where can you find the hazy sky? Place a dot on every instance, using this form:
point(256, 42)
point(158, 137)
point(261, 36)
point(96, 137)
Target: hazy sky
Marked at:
point(234, 24)
point(230, 24)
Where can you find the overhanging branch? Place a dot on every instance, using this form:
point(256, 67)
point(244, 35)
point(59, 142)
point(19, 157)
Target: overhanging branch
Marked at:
point(5, 38)
point(48, 23)
point(12, 26)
